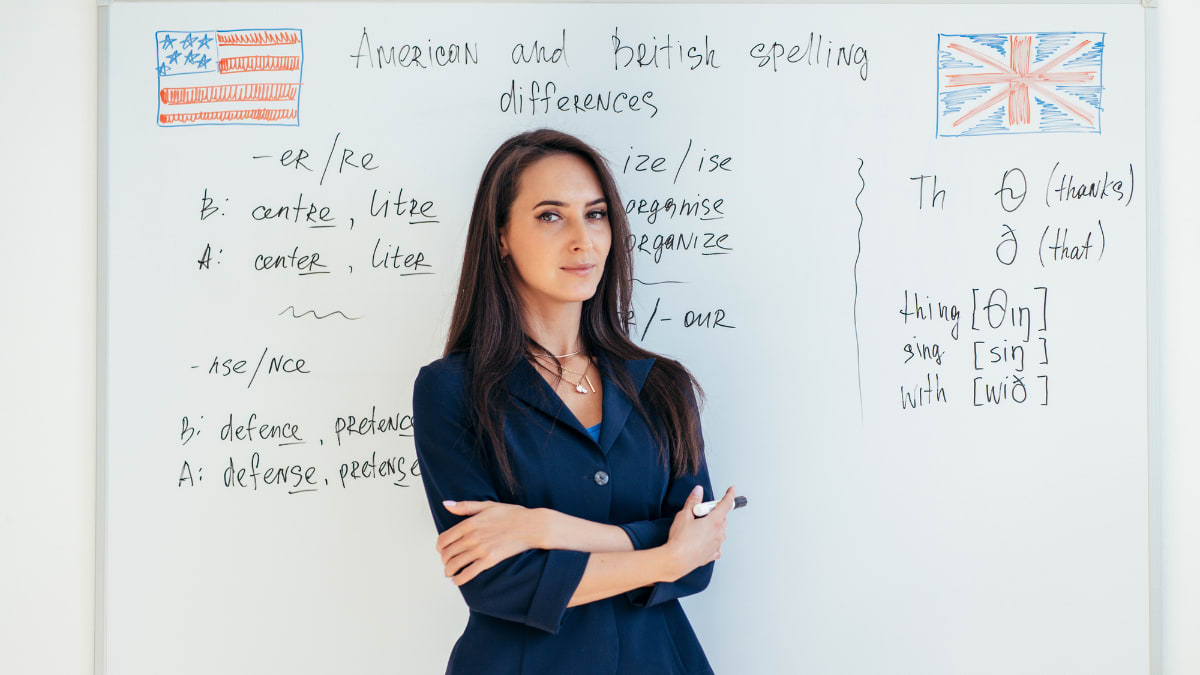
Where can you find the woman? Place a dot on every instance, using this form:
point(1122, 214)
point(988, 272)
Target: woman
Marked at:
point(558, 457)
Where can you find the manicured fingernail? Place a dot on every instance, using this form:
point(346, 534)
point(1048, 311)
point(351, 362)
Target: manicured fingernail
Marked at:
point(449, 502)
point(697, 491)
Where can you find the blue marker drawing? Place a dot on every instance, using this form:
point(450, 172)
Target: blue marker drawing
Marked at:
point(248, 76)
point(1019, 83)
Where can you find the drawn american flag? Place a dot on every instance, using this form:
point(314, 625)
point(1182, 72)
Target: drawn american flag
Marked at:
point(230, 77)
point(1006, 83)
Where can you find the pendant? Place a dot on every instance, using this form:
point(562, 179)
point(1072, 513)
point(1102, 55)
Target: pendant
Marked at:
point(579, 388)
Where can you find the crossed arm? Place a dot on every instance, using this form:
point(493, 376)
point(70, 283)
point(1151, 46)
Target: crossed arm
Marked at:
point(496, 531)
point(529, 565)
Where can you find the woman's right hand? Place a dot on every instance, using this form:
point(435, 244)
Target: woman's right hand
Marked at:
point(694, 541)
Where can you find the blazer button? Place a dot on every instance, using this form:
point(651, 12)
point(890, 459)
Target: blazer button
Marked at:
point(601, 478)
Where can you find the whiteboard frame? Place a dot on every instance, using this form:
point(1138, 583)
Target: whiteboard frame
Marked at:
point(1155, 285)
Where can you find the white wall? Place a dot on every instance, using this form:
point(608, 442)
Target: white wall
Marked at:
point(1174, 280)
point(47, 334)
point(48, 319)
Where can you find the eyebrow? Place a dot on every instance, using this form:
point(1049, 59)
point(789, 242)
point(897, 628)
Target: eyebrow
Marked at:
point(551, 202)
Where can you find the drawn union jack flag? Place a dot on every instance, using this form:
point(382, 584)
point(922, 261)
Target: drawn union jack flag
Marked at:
point(1011, 83)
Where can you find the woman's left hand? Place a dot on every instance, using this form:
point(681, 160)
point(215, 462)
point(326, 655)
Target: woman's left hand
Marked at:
point(493, 532)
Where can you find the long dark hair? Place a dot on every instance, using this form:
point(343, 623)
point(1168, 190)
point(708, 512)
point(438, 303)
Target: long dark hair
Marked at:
point(487, 321)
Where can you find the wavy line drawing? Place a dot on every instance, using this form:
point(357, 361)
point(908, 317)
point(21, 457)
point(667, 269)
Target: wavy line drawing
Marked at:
point(318, 316)
point(857, 255)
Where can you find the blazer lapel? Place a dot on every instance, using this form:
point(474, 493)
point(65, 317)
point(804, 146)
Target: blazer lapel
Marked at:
point(617, 405)
point(527, 384)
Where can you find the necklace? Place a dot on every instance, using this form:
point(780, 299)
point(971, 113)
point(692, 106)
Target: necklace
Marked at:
point(560, 365)
point(583, 376)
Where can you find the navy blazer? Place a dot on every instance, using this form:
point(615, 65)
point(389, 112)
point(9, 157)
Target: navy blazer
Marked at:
point(519, 620)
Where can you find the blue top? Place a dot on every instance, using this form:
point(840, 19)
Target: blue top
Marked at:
point(594, 431)
point(519, 622)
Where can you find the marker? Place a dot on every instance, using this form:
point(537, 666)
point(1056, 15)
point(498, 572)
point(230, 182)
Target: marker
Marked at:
point(702, 509)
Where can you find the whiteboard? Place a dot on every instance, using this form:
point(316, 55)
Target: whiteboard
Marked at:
point(914, 293)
